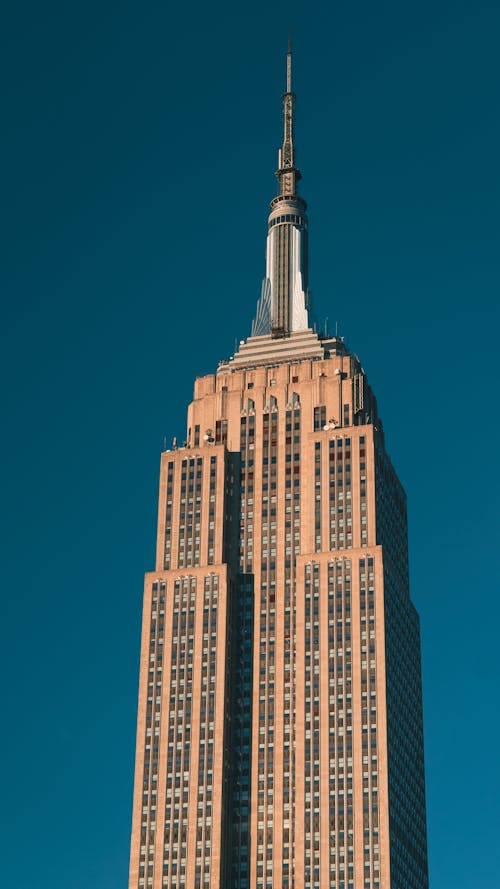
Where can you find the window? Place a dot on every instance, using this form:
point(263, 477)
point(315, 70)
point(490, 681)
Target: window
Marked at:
point(319, 417)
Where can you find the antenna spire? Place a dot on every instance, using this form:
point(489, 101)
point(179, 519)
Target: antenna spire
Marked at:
point(283, 307)
point(287, 174)
point(289, 65)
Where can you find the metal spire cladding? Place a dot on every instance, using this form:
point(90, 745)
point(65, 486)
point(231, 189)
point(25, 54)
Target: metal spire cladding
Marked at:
point(283, 305)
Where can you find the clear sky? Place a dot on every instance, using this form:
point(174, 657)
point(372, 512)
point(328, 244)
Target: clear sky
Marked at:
point(139, 145)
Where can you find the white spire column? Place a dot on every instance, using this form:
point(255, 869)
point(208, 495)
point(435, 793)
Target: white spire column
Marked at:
point(283, 306)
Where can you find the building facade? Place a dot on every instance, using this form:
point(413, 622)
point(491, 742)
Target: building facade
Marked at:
point(279, 738)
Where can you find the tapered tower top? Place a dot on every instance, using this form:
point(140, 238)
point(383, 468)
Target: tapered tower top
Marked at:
point(283, 328)
point(283, 307)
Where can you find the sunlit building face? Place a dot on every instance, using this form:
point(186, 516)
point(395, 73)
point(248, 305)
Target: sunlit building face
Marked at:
point(279, 740)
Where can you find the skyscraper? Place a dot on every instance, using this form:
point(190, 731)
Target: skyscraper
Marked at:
point(279, 739)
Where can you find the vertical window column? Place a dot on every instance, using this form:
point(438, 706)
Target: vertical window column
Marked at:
point(340, 493)
point(179, 734)
point(190, 512)
point(317, 496)
point(371, 853)
point(292, 549)
point(267, 651)
point(363, 507)
point(341, 824)
point(312, 730)
point(167, 559)
point(242, 726)
point(247, 471)
point(206, 744)
point(212, 510)
point(151, 740)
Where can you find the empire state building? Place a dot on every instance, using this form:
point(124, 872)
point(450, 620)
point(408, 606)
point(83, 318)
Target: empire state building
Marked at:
point(279, 735)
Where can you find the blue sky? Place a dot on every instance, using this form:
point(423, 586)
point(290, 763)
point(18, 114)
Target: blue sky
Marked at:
point(139, 146)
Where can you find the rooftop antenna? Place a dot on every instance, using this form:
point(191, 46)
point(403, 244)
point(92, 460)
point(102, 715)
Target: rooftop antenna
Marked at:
point(289, 65)
point(336, 328)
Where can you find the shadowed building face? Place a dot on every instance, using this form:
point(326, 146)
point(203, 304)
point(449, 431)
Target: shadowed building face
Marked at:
point(279, 737)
